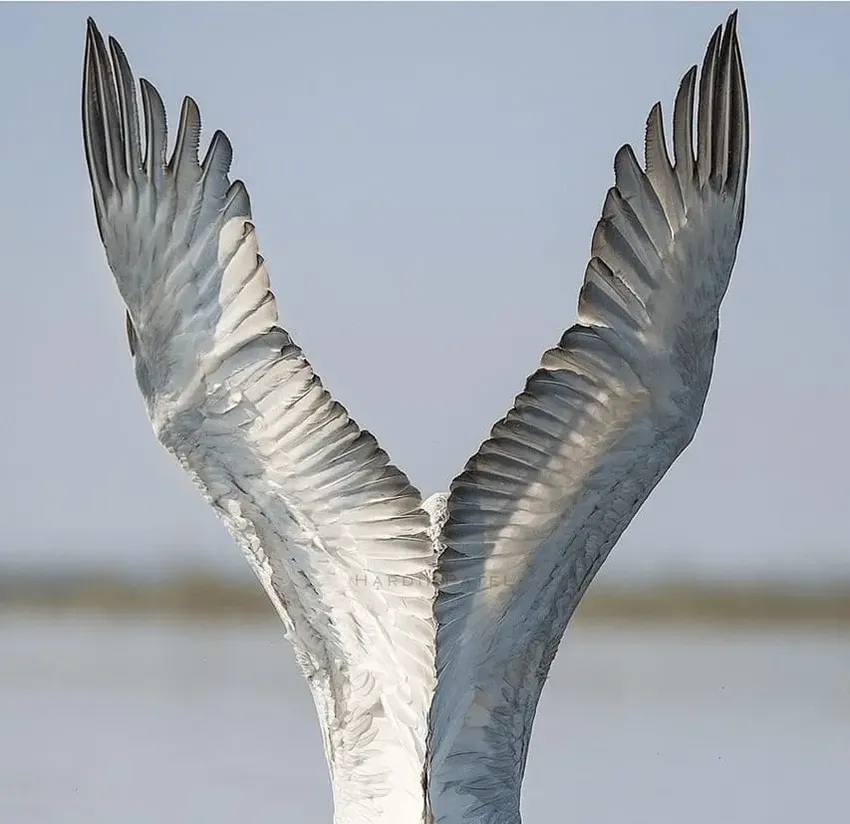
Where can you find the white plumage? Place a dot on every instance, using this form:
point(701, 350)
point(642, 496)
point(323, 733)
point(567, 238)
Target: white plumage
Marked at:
point(425, 629)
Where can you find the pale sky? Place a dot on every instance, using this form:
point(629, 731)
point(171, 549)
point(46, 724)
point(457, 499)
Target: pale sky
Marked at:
point(425, 182)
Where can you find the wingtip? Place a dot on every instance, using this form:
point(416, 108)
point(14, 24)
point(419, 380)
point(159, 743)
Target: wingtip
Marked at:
point(92, 32)
point(688, 81)
point(147, 86)
point(731, 33)
point(719, 102)
point(95, 45)
point(191, 105)
point(114, 45)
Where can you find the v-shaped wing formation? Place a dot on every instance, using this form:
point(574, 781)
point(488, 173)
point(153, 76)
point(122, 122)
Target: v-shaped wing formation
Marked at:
point(426, 691)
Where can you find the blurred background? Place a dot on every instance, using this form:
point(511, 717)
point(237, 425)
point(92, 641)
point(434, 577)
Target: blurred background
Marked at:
point(425, 180)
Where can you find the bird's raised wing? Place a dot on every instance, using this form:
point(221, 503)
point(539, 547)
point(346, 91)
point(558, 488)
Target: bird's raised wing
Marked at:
point(333, 531)
point(535, 513)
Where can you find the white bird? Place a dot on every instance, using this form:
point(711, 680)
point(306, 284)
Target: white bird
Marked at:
point(425, 629)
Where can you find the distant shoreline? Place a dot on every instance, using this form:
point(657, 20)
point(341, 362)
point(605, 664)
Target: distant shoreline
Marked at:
point(201, 596)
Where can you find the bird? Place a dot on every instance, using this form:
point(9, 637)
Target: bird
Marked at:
point(424, 628)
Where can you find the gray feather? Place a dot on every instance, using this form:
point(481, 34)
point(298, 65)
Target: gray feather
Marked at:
point(320, 513)
point(536, 511)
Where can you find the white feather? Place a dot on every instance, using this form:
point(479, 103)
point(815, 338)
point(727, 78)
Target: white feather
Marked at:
point(398, 608)
point(537, 510)
point(311, 499)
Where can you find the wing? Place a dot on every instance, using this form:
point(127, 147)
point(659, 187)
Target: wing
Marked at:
point(333, 531)
point(537, 509)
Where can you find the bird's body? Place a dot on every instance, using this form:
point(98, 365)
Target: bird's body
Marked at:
point(424, 628)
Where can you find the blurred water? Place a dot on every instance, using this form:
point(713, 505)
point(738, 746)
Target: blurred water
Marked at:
point(127, 722)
